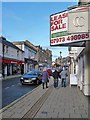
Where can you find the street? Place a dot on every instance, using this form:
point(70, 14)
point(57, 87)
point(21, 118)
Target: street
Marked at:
point(60, 102)
point(12, 90)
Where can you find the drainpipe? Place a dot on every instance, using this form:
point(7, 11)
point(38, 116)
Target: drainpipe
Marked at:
point(3, 60)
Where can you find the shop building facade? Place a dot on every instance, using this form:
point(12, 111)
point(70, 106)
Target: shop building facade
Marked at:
point(72, 55)
point(81, 60)
point(80, 65)
point(29, 54)
point(44, 57)
point(12, 58)
point(49, 57)
point(83, 69)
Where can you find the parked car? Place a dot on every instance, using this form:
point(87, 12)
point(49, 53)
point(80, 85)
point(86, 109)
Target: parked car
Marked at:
point(31, 77)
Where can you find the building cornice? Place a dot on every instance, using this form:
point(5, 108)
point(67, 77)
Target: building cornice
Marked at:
point(27, 43)
point(8, 43)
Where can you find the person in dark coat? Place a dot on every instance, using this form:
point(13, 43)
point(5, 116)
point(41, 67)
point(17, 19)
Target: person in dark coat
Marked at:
point(22, 71)
point(45, 77)
point(55, 76)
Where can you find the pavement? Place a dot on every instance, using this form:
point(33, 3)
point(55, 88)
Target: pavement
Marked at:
point(11, 76)
point(60, 102)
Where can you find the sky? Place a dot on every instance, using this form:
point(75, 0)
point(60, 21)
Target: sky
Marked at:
point(31, 21)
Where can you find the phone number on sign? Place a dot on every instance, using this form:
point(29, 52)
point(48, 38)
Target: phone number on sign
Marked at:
point(78, 37)
point(70, 38)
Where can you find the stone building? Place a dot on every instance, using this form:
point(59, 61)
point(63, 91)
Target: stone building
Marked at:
point(44, 57)
point(49, 56)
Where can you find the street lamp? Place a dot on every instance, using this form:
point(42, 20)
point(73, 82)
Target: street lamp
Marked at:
point(60, 56)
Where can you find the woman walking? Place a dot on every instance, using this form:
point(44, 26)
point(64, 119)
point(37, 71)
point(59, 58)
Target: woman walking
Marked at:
point(45, 77)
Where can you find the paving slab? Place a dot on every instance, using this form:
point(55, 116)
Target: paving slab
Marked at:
point(60, 102)
point(65, 103)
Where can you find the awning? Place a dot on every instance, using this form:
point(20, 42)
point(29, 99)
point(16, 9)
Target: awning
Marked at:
point(11, 61)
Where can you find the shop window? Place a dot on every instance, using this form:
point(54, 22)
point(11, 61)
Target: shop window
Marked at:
point(5, 49)
point(17, 53)
point(74, 68)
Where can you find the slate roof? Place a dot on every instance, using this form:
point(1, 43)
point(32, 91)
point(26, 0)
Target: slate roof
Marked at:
point(4, 41)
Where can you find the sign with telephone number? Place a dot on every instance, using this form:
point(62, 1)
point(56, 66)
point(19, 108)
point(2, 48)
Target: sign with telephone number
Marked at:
point(59, 31)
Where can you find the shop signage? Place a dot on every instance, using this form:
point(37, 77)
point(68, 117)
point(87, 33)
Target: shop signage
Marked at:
point(78, 20)
point(70, 38)
point(11, 61)
point(59, 30)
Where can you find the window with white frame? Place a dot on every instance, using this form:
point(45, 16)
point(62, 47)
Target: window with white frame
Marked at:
point(17, 53)
point(5, 48)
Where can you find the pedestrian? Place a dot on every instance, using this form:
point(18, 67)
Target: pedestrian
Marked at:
point(55, 76)
point(45, 77)
point(63, 77)
point(68, 76)
point(22, 71)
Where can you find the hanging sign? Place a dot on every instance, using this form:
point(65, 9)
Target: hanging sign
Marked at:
point(59, 31)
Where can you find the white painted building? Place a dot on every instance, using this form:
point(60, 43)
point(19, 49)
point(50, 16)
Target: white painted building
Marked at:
point(29, 54)
point(82, 59)
point(83, 70)
point(80, 65)
point(72, 55)
point(12, 58)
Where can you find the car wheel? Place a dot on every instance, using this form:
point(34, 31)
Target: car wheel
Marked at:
point(22, 83)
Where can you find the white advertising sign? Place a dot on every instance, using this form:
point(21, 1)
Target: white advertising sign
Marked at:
point(59, 31)
point(73, 79)
point(58, 22)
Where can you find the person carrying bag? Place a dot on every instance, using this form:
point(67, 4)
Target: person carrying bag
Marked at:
point(45, 77)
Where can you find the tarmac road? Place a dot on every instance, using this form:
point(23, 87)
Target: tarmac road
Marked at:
point(12, 90)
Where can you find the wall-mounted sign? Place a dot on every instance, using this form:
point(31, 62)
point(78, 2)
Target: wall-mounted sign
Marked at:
point(78, 20)
point(58, 27)
point(59, 35)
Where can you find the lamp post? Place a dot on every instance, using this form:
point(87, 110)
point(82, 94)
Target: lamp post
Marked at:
point(60, 56)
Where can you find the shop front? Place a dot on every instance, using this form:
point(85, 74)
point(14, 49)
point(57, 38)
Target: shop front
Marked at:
point(12, 67)
point(29, 64)
point(76, 33)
